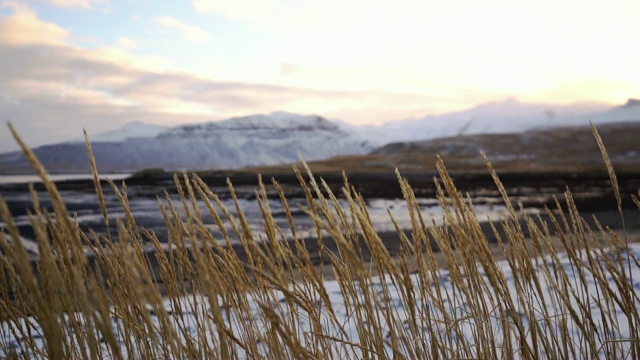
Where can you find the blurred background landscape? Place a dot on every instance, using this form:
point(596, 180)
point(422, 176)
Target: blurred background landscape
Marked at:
point(233, 90)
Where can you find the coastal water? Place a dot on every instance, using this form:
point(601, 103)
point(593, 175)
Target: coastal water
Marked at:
point(145, 203)
point(19, 179)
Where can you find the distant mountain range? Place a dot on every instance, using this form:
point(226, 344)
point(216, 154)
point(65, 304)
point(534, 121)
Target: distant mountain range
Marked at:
point(509, 116)
point(565, 148)
point(280, 137)
point(239, 142)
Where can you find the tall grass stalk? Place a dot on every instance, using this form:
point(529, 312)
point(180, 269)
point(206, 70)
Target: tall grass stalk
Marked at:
point(563, 291)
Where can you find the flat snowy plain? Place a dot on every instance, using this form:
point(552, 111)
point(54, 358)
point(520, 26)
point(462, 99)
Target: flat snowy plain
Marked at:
point(457, 307)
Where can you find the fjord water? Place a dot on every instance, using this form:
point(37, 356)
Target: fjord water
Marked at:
point(144, 202)
point(21, 179)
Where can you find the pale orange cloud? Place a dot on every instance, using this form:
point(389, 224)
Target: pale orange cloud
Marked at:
point(24, 28)
point(82, 4)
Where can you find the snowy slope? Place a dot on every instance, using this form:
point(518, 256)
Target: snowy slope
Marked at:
point(259, 140)
point(136, 129)
point(509, 116)
point(629, 112)
point(239, 142)
point(131, 130)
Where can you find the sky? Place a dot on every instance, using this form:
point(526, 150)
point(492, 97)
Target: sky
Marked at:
point(66, 65)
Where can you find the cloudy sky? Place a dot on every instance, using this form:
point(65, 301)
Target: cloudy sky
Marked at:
point(98, 64)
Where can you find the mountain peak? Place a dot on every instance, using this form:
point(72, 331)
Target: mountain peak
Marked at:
point(274, 124)
point(133, 129)
point(632, 102)
point(510, 100)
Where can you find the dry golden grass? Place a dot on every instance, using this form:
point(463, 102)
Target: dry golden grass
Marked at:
point(202, 300)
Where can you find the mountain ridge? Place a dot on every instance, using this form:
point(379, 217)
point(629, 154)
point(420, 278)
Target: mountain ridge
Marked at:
point(281, 137)
point(255, 140)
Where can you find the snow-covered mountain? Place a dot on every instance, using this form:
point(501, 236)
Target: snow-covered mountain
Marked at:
point(239, 142)
point(136, 129)
point(628, 112)
point(281, 137)
point(509, 116)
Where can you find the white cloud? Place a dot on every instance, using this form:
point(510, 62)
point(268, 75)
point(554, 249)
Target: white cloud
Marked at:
point(240, 9)
point(495, 47)
point(127, 43)
point(188, 32)
point(81, 4)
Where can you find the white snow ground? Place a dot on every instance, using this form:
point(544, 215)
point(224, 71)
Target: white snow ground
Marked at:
point(458, 307)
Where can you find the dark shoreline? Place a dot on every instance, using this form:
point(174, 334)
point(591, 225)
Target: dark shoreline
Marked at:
point(376, 184)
